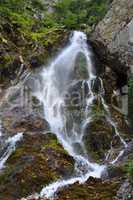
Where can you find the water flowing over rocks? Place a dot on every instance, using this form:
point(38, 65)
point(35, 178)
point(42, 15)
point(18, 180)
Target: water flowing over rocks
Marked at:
point(72, 145)
point(37, 160)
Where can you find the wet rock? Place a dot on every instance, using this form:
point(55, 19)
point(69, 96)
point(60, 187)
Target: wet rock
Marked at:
point(80, 70)
point(113, 45)
point(98, 137)
point(94, 189)
point(31, 123)
point(121, 124)
point(38, 160)
point(115, 171)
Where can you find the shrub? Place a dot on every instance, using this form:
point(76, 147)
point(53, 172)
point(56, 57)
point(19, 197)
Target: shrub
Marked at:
point(73, 13)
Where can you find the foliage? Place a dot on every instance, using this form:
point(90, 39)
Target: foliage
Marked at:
point(69, 13)
point(129, 169)
point(29, 29)
point(73, 13)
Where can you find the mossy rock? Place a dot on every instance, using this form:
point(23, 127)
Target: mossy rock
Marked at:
point(94, 189)
point(116, 171)
point(98, 137)
point(38, 160)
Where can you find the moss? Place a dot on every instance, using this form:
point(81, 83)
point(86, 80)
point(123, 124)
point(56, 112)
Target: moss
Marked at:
point(6, 60)
point(116, 171)
point(55, 145)
point(98, 137)
point(93, 190)
point(129, 169)
point(97, 112)
point(38, 160)
point(5, 176)
point(81, 67)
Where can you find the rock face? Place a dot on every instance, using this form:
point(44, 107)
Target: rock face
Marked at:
point(98, 137)
point(39, 158)
point(115, 34)
point(126, 191)
point(105, 190)
point(112, 41)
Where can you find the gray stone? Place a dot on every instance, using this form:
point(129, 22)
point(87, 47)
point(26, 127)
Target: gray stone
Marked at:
point(125, 192)
point(115, 32)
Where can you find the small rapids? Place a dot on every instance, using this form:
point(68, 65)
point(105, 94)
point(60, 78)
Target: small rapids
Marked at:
point(10, 148)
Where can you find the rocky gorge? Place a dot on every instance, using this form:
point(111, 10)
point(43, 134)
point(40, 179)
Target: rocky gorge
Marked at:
point(39, 158)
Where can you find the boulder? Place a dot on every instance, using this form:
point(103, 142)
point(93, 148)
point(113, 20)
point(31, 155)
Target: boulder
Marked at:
point(38, 160)
point(113, 36)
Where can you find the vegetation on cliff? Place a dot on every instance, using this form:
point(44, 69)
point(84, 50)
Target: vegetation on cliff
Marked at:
point(31, 30)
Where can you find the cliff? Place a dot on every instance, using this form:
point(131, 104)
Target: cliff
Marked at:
point(112, 41)
point(115, 33)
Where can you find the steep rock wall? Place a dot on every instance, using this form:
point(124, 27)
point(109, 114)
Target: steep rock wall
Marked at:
point(115, 33)
point(112, 41)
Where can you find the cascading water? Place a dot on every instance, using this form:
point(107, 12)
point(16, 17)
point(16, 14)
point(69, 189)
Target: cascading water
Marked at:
point(56, 81)
point(10, 148)
point(109, 119)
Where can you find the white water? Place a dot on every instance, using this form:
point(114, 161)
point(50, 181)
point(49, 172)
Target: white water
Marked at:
point(110, 120)
point(11, 146)
point(56, 81)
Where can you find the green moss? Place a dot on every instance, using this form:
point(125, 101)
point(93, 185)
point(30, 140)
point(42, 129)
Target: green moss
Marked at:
point(53, 143)
point(98, 136)
point(4, 176)
point(92, 190)
point(6, 60)
point(38, 160)
point(129, 169)
point(116, 171)
point(97, 112)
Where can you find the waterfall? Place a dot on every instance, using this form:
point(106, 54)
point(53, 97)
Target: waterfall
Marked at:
point(57, 78)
